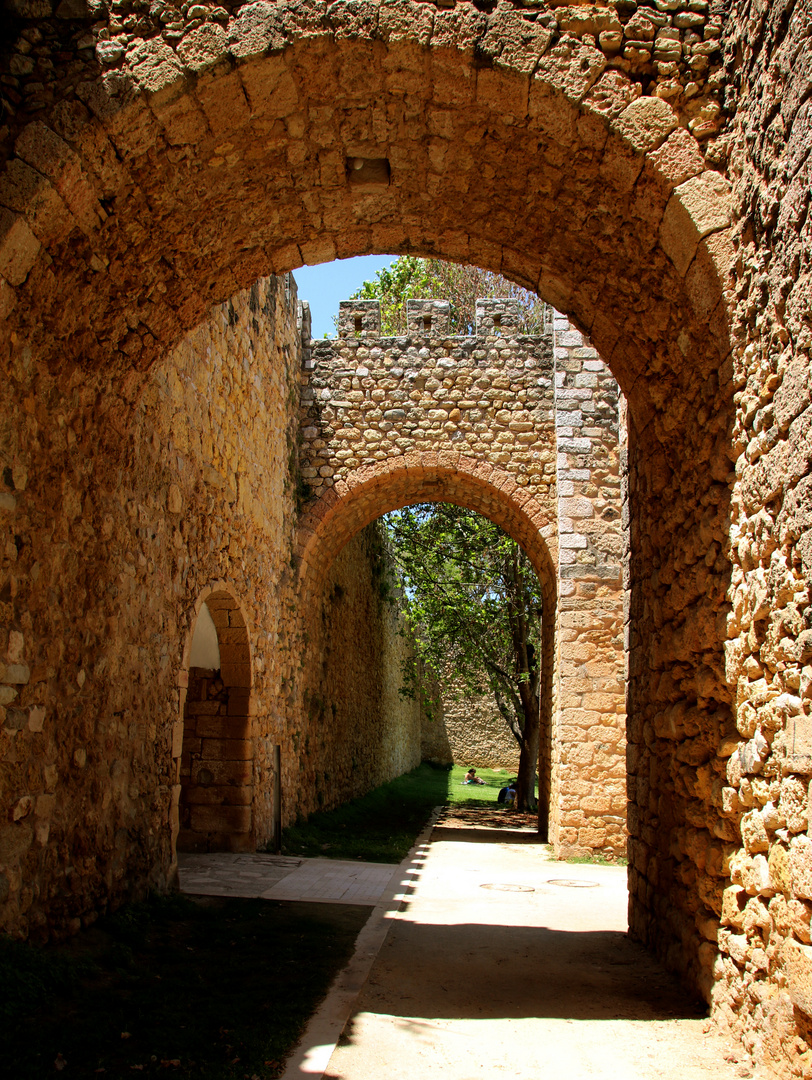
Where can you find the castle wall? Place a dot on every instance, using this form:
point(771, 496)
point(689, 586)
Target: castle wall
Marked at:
point(428, 406)
point(588, 743)
point(127, 520)
point(359, 730)
point(468, 730)
point(763, 970)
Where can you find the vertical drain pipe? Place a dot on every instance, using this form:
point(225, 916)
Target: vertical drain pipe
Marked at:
point(277, 799)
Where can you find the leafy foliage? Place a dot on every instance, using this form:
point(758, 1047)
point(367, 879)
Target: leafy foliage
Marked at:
point(412, 278)
point(474, 602)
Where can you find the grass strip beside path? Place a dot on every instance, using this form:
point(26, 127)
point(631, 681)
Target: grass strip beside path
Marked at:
point(382, 825)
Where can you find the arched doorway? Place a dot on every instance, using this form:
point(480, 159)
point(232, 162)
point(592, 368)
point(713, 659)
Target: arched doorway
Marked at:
point(335, 518)
point(216, 777)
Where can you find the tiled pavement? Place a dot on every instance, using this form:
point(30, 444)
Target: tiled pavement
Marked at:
point(278, 877)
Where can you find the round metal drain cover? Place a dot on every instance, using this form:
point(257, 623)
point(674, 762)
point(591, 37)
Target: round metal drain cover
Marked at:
point(509, 888)
point(573, 883)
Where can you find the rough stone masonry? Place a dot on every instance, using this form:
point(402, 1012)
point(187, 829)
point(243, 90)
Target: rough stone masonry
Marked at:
point(524, 429)
point(645, 168)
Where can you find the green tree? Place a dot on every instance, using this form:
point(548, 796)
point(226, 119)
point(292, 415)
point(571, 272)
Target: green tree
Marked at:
point(474, 602)
point(412, 278)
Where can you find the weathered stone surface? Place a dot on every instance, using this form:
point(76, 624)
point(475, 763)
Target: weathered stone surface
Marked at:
point(193, 187)
point(381, 412)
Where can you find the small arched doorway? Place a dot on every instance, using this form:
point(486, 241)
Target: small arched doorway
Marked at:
point(216, 767)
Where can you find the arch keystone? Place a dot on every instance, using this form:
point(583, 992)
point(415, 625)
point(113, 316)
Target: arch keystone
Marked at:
point(646, 123)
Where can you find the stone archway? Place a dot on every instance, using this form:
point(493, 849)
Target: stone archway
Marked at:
point(368, 494)
point(163, 179)
point(214, 795)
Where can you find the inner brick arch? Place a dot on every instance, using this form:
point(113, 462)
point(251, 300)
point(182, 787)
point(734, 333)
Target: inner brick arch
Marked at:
point(212, 801)
point(368, 493)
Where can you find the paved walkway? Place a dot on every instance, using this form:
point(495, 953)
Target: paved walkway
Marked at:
point(484, 957)
point(503, 962)
point(280, 877)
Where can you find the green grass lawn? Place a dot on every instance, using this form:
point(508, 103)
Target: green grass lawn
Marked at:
point(212, 989)
point(382, 825)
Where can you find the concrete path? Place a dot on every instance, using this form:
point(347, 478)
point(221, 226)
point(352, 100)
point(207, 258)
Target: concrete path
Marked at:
point(499, 961)
point(280, 877)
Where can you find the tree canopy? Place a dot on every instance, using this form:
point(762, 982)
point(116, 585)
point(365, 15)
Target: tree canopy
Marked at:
point(413, 278)
point(474, 602)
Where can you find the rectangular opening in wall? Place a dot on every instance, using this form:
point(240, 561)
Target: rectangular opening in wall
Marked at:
point(358, 324)
point(370, 172)
point(427, 323)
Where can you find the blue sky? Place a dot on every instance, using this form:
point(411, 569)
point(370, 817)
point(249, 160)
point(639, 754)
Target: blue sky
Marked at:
point(326, 285)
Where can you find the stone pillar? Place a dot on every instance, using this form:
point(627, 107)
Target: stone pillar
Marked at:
point(588, 800)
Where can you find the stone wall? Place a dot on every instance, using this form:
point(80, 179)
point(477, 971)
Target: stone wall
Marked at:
point(429, 416)
point(588, 740)
point(216, 771)
point(182, 489)
point(763, 972)
point(361, 731)
point(152, 170)
point(468, 730)
point(374, 398)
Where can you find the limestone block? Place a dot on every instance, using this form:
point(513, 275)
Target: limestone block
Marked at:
point(780, 870)
point(734, 899)
point(698, 207)
point(157, 70)
point(800, 865)
point(794, 803)
point(754, 834)
point(19, 247)
point(646, 123)
point(203, 49)
point(797, 965)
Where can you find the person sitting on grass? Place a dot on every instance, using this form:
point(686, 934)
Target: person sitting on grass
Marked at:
point(472, 778)
point(507, 794)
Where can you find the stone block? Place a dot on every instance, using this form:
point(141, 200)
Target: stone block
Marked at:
point(19, 247)
point(800, 866)
point(646, 123)
point(204, 49)
point(698, 207)
point(226, 749)
point(157, 70)
point(797, 965)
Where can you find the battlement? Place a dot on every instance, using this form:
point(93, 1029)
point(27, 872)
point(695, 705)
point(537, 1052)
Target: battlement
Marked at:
point(495, 317)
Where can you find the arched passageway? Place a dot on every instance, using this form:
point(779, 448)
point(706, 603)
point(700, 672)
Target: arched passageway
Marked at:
point(178, 172)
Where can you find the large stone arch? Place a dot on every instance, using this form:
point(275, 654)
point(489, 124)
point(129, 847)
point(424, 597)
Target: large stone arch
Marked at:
point(368, 493)
point(175, 176)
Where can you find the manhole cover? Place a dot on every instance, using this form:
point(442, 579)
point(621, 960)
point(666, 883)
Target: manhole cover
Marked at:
point(509, 888)
point(573, 883)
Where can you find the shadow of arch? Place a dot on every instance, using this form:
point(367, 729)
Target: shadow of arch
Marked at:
point(215, 789)
point(368, 493)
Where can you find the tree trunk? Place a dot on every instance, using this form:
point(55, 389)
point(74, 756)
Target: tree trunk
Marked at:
point(529, 754)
